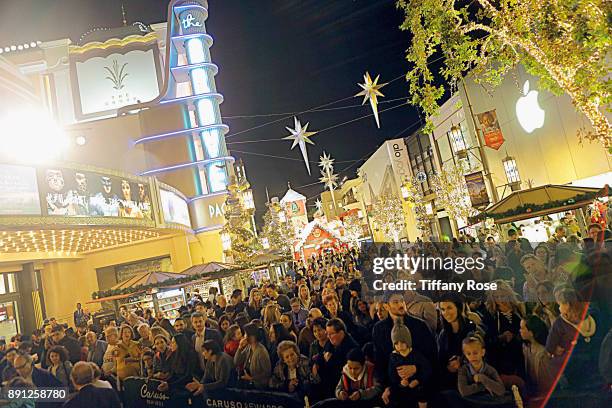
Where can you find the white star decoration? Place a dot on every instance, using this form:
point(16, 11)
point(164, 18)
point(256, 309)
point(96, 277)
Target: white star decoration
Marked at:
point(329, 179)
point(319, 204)
point(371, 91)
point(326, 162)
point(300, 136)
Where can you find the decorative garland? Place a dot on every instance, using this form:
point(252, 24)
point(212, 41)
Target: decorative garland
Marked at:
point(171, 282)
point(529, 208)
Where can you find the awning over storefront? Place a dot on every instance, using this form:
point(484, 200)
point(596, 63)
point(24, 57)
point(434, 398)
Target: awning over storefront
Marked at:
point(209, 267)
point(539, 201)
point(115, 297)
point(147, 278)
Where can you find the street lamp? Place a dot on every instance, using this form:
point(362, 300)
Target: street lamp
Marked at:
point(512, 173)
point(458, 141)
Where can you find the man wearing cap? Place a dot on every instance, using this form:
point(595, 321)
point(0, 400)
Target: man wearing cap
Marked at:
point(423, 340)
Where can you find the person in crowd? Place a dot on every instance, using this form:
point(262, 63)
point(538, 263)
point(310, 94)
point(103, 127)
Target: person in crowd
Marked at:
point(253, 359)
point(455, 327)
point(536, 272)
point(409, 372)
point(277, 334)
point(59, 337)
point(292, 372)
point(319, 325)
point(538, 373)
point(60, 367)
point(79, 316)
point(271, 315)
point(181, 327)
point(182, 365)
point(286, 320)
point(423, 340)
point(232, 340)
point(128, 354)
point(255, 304)
point(329, 365)
point(304, 298)
point(220, 306)
point(220, 372)
point(109, 365)
point(559, 235)
point(503, 319)
point(24, 365)
point(161, 360)
point(148, 317)
point(573, 333)
point(202, 333)
point(543, 253)
point(19, 383)
point(306, 336)
point(236, 301)
point(146, 338)
point(362, 315)
point(98, 382)
point(281, 299)
point(87, 394)
point(343, 292)
point(477, 380)
point(147, 361)
point(167, 326)
point(225, 321)
point(298, 314)
point(8, 365)
point(546, 308)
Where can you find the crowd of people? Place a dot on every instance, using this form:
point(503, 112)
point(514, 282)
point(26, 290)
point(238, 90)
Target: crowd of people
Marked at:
point(322, 333)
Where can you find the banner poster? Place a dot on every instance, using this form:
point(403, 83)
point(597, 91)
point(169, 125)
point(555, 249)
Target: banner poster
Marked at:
point(477, 189)
point(18, 191)
point(296, 208)
point(491, 131)
point(77, 193)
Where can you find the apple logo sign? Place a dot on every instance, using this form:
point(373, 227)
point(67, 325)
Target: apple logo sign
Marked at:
point(528, 111)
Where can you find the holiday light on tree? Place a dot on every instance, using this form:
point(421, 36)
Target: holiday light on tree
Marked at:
point(371, 92)
point(240, 243)
point(451, 192)
point(300, 136)
point(388, 216)
point(418, 205)
point(277, 229)
point(353, 228)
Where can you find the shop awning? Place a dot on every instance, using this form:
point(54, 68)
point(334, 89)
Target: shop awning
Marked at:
point(539, 201)
point(147, 278)
point(208, 267)
point(115, 297)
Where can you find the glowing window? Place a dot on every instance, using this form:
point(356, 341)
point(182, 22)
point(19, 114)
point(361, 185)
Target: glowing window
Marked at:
point(206, 112)
point(200, 81)
point(217, 178)
point(212, 143)
point(195, 51)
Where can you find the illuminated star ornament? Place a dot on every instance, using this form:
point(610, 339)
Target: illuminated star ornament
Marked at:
point(300, 135)
point(329, 179)
point(326, 162)
point(371, 91)
point(318, 204)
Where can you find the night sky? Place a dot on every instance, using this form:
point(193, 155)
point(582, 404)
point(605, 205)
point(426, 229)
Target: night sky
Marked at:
point(274, 56)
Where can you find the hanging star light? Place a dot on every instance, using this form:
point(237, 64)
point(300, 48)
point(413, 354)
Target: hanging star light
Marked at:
point(326, 162)
point(318, 204)
point(300, 135)
point(371, 91)
point(329, 179)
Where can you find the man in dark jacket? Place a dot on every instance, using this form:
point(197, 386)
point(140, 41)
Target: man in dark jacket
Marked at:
point(70, 343)
point(87, 395)
point(334, 354)
point(423, 340)
point(95, 348)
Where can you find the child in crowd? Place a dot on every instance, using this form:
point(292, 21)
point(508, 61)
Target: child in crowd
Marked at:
point(233, 336)
point(358, 384)
point(409, 371)
point(478, 382)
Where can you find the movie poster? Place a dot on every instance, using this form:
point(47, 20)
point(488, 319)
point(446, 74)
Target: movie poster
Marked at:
point(76, 193)
point(491, 130)
point(477, 189)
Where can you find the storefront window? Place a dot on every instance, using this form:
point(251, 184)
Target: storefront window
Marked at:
point(420, 152)
point(2, 285)
point(8, 319)
point(12, 284)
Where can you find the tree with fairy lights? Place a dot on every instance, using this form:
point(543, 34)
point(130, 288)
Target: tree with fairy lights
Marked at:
point(566, 43)
point(242, 243)
point(277, 229)
point(388, 215)
point(418, 205)
point(452, 193)
point(353, 228)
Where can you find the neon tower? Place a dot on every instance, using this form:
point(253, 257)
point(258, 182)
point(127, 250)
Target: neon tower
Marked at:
point(189, 83)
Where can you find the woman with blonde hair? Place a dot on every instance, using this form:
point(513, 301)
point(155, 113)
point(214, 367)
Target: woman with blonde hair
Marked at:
point(128, 354)
point(271, 315)
point(304, 296)
point(255, 304)
point(503, 322)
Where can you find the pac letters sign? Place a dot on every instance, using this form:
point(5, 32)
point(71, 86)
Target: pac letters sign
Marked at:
point(208, 212)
